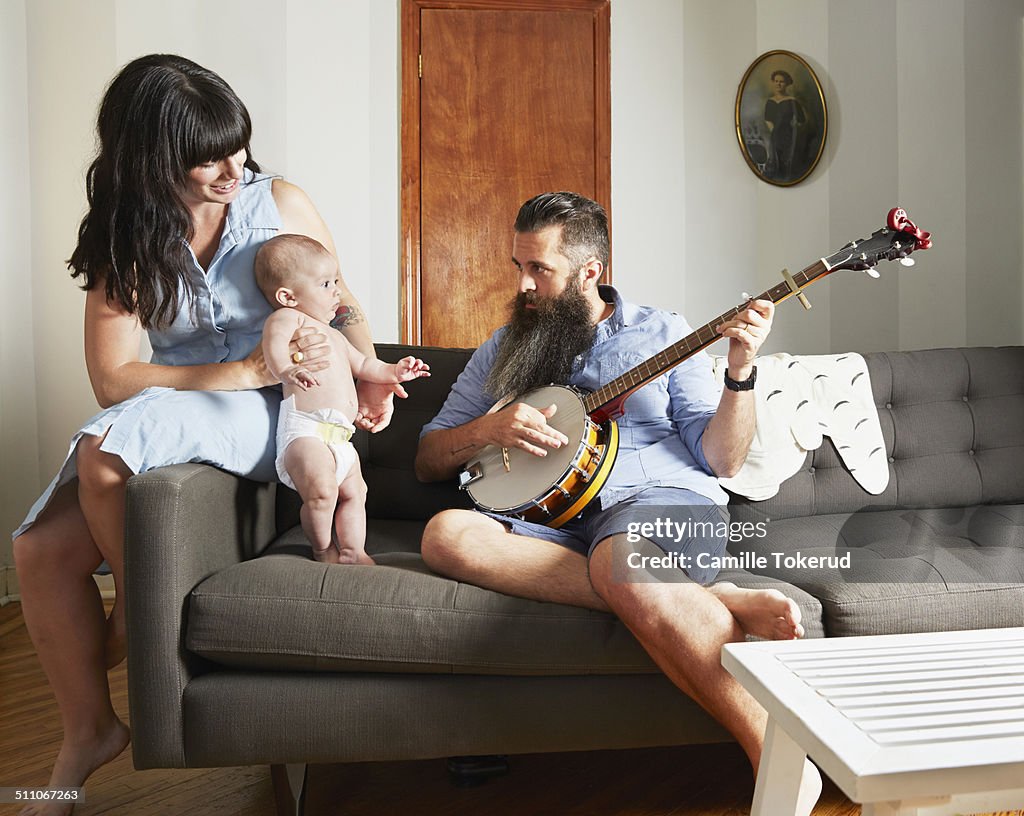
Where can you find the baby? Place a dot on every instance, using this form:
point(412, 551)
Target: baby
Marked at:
point(314, 455)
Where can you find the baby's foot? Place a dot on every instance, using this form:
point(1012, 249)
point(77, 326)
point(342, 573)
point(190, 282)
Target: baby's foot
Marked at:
point(76, 762)
point(350, 555)
point(763, 613)
point(329, 555)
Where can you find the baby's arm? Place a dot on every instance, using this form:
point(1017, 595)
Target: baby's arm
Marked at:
point(373, 370)
point(277, 334)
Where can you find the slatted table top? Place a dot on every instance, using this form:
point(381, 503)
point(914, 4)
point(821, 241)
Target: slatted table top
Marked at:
point(897, 716)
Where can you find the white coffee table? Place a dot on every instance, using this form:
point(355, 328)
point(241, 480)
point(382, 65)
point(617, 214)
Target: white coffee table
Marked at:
point(926, 724)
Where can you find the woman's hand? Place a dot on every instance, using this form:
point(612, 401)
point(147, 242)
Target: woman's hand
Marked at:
point(308, 342)
point(312, 348)
point(376, 404)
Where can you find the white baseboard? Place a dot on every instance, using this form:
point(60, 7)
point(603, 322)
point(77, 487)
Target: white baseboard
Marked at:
point(9, 586)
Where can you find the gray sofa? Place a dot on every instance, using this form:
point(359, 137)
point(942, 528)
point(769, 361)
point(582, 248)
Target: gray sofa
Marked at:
point(242, 650)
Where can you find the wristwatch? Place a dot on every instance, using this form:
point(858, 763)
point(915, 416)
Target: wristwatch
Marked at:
point(741, 385)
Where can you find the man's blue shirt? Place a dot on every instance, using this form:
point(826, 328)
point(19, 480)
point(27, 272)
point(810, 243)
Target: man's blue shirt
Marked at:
point(661, 430)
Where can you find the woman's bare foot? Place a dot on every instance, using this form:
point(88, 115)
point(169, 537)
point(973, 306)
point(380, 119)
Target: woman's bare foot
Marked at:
point(763, 613)
point(76, 762)
point(116, 644)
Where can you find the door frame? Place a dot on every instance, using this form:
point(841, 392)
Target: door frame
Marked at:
point(410, 136)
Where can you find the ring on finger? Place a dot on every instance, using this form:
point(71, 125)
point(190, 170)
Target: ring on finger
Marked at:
point(298, 357)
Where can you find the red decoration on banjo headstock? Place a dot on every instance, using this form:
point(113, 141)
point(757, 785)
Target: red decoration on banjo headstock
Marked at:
point(899, 221)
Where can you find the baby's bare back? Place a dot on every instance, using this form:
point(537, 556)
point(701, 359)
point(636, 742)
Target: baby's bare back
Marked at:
point(336, 387)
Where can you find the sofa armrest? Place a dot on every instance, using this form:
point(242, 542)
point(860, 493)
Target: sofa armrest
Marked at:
point(183, 523)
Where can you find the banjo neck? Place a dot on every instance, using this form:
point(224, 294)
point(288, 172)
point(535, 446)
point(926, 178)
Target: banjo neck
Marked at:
point(607, 401)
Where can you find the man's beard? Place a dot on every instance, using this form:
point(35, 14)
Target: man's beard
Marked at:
point(540, 345)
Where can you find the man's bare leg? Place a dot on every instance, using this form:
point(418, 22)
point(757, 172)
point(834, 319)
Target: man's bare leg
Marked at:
point(477, 549)
point(65, 618)
point(683, 627)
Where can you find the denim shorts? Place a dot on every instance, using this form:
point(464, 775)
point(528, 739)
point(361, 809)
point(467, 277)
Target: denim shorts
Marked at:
point(678, 521)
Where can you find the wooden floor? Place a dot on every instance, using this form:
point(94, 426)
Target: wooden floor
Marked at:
point(692, 781)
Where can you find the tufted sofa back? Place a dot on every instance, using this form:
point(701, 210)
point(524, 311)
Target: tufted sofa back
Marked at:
point(953, 422)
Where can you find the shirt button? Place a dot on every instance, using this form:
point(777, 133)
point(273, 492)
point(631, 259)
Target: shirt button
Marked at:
point(965, 398)
point(810, 469)
point(971, 452)
point(892, 458)
point(888, 405)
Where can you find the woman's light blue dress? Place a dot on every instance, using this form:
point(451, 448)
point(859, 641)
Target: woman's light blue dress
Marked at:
point(233, 430)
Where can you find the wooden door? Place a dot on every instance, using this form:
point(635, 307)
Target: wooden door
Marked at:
point(501, 100)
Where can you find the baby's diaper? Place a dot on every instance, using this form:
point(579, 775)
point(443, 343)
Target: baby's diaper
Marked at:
point(330, 426)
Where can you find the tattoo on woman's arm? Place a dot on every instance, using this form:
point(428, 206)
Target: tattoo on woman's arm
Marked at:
point(347, 316)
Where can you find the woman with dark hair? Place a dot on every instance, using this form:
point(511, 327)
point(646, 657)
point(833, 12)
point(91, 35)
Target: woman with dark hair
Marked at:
point(783, 116)
point(177, 211)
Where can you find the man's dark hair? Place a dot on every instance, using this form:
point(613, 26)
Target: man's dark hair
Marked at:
point(584, 225)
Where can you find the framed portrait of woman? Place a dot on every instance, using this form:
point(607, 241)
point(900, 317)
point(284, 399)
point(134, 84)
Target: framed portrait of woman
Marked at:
point(781, 118)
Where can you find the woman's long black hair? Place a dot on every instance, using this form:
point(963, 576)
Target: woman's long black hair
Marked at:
point(161, 116)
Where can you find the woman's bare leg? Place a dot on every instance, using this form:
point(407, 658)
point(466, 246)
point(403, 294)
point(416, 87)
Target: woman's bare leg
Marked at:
point(102, 488)
point(64, 614)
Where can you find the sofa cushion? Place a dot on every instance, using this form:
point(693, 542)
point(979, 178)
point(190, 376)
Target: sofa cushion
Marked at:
point(286, 611)
point(905, 570)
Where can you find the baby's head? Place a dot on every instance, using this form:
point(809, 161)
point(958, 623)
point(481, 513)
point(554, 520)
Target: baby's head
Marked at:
point(299, 272)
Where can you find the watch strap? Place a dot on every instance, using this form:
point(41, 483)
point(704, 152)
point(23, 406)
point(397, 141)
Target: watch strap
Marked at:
point(741, 385)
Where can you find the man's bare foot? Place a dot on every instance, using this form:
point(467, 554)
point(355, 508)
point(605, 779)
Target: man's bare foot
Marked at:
point(763, 613)
point(810, 790)
point(116, 644)
point(76, 762)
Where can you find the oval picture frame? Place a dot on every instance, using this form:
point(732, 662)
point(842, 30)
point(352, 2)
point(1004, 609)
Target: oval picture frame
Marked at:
point(781, 118)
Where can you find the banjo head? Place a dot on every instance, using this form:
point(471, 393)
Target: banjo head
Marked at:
point(529, 477)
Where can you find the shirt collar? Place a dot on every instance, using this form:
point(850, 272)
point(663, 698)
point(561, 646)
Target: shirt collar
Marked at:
point(621, 315)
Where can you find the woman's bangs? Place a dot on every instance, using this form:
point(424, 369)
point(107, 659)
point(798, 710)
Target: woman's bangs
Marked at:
point(214, 134)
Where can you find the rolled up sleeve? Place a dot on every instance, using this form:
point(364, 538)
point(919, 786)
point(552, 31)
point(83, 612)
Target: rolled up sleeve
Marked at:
point(468, 398)
point(694, 399)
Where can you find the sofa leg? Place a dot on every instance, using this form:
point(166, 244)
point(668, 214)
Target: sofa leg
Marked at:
point(289, 788)
point(470, 771)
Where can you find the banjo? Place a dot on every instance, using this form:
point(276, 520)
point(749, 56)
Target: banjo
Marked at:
point(553, 489)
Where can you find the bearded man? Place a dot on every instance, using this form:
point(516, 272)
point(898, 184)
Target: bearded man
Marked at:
point(678, 434)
